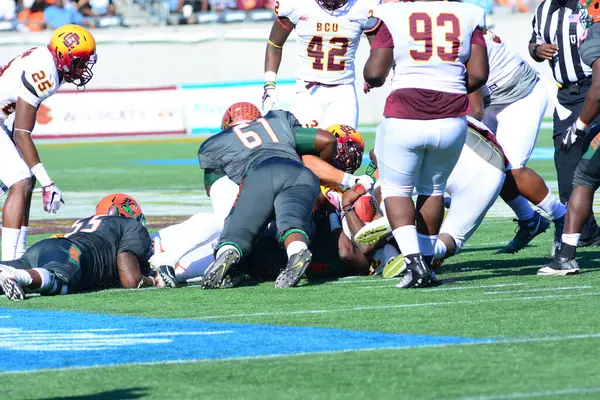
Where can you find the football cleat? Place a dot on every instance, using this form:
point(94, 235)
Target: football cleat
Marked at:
point(10, 285)
point(233, 278)
point(296, 267)
point(394, 267)
point(167, 273)
point(417, 272)
point(216, 272)
point(560, 266)
point(526, 231)
point(373, 232)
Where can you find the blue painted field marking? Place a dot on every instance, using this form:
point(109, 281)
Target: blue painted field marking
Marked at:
point(31, 340)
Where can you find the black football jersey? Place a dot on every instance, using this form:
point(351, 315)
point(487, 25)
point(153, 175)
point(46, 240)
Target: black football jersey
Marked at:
point(101, 238)
point(589, 44)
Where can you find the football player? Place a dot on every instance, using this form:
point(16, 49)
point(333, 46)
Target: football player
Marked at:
point(420, 140)
point(473, 187)
point(107, 250)
point(327, 35)
point(512, 105)
point(586, 179)
point(26, 81)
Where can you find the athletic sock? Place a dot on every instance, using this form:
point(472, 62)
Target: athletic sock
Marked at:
point(427, 244)
point(406, 237)
point(570, 238)
point(295, 247)
point(552, 206)
point(521, 207)
point(10, 238)
point(440, 250)
point(22, 244)
point(224, 248)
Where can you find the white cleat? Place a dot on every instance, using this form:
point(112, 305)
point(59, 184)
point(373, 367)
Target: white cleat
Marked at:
point(373, 232)
point(10, 285)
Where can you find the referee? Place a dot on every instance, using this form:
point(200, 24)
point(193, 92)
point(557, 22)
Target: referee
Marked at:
point(557, 26)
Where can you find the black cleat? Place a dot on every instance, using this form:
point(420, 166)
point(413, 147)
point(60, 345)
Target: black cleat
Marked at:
point(526, 231)
point(167, 273)
point(559, 226)
point(216, 272)
point(560, 266)
point(296, 267)
point(417, 273)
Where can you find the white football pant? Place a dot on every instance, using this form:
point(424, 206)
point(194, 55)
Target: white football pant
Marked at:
point(516, 126)
point(12, 167)
point(474, 186)
point(321, 107)
point(418, 154)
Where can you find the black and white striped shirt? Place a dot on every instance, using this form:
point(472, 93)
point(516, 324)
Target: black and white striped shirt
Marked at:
point(562, 26)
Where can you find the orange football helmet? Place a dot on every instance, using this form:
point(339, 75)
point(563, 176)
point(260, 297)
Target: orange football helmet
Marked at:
point(350, 148)
point(592, 8)
point(240, 112)
point(74, 50)
point(121, 205)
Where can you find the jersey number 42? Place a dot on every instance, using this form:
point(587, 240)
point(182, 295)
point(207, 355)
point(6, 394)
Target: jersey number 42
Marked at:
point(339, 49)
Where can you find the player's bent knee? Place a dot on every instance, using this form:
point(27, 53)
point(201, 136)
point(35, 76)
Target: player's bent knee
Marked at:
point(23, 186)
point(388, 190)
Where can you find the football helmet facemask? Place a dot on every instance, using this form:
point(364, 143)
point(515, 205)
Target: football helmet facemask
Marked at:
point(332, 5)
point(349, 149)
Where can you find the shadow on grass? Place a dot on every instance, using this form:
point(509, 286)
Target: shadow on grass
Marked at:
point(121, 394)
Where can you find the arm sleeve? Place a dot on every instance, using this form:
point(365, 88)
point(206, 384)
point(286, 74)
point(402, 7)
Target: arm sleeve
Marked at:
point(135, 240)
point(305, 141)
point(371, 24)
point(382, 38)
point(287, 9)
point(477, 38)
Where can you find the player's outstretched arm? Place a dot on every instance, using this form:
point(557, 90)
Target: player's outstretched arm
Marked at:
point(477, 65)
point(130, 274)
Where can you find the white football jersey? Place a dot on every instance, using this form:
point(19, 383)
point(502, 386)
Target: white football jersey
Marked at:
point(504, 63)
point(432, 42)
point(326, 40)
point(32, 76)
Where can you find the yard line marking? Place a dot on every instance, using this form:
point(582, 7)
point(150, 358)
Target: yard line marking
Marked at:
point(374, 280)
point(4, 316)
point(392, 306)
point(330, 352)
point(542, 289)
point(451, 288)
point(526, 395)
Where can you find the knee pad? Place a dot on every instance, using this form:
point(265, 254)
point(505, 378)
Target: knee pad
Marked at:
point(587, 174)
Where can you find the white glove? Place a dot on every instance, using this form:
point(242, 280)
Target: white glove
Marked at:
point(52, 198)
point(269, 99)
point(335, 198)
point(350, 180)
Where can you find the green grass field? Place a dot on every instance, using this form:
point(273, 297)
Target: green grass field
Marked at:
point(542, 333)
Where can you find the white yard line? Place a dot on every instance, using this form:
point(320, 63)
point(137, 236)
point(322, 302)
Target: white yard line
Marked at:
point(542, 289)
point(278, 356)
point(449, 288)
point(528, 395)
point(393, 306)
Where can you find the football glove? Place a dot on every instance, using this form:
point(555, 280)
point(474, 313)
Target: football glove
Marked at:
point(269, 99)
point(52, 198)
point(571, 136)
point(350, 180)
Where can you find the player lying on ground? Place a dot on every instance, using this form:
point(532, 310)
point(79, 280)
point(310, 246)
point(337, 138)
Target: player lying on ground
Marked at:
point(512, 105)
point(100, 252)
point(473, 187)
point(587, 175)
point(26, 81)
point(327, 36)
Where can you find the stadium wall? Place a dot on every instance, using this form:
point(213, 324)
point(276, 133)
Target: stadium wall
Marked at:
point(177, 80)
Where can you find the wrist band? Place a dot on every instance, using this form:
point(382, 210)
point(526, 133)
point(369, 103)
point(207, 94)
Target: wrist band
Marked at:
point(270, 76)
point(347, 179)
point(579, 124)
point(41, 175)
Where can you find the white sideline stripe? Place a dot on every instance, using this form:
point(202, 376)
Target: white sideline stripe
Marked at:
point(542, 289)
point(527, 395)
point(4, 316)
point(451, 288)
point(392, 306)
point(490, 341)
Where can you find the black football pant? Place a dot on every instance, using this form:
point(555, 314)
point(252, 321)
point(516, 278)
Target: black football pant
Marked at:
point(566, 163)
point(277, 188)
